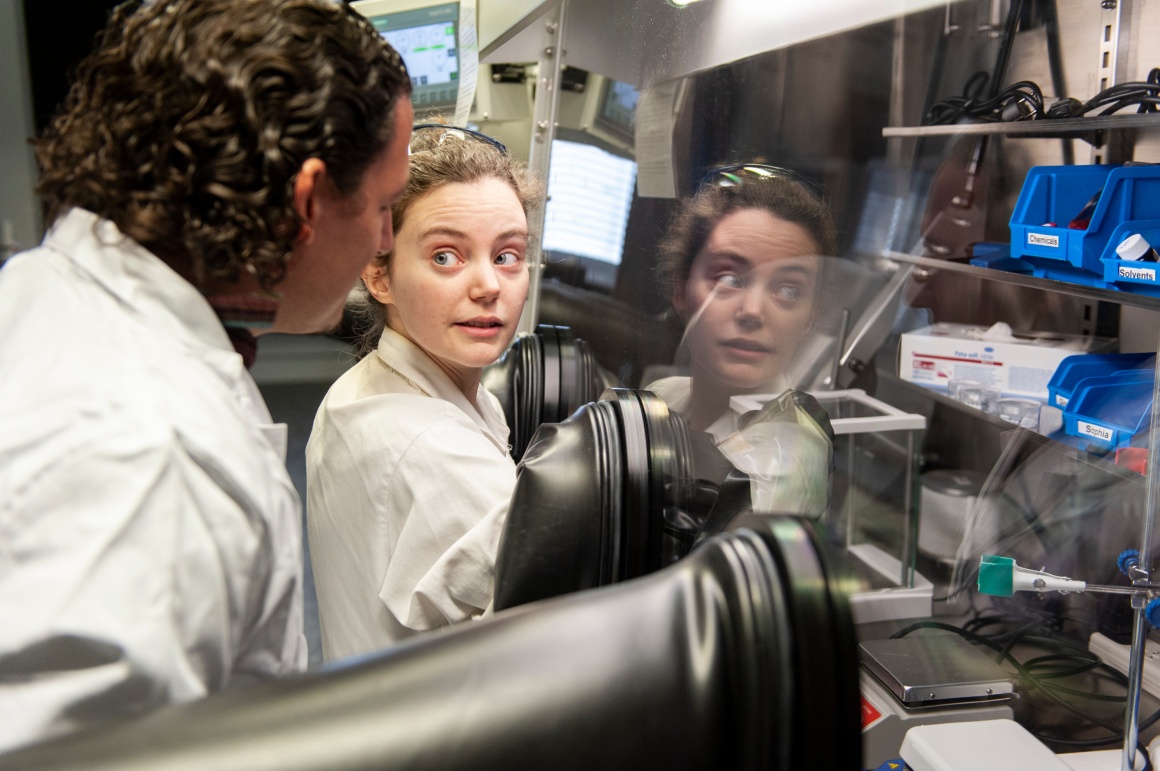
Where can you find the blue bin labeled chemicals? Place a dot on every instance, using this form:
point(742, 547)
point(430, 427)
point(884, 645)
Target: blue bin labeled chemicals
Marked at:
point(1105, 197)
point(1108, 411)
point(1072, 370)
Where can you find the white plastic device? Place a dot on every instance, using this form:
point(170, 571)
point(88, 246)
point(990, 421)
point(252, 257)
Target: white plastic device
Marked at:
point(1115, 655)
point(986, 745)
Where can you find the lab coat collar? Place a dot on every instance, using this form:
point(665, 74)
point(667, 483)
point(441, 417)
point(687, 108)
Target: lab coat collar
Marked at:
point(677, 393)
point(726, 425)
point(137, 278)
point(413, 363)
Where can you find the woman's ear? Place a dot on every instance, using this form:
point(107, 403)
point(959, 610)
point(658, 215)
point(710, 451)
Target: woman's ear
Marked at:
point(377, 282)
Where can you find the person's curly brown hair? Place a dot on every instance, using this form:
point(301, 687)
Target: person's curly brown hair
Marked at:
point(437, 160)
point(187, 125)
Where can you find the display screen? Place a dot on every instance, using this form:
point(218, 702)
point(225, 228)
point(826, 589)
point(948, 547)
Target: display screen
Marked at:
point(618, 109)
point(426, 39)
point(589, 194)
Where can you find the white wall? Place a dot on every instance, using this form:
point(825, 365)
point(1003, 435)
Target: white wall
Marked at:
point(18, 203)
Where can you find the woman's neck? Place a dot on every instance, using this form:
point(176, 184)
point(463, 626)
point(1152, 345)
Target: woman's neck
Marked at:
point(466, 380)
point(708, 400)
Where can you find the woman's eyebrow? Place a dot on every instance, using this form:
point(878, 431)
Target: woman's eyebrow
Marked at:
point(797, 267)
point(507, 235)
point(450, 232)
point(441, 230)
point(728, 256)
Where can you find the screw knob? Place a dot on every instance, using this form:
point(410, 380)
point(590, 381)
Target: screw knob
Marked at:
point(1128, 559)
point(1152, 613)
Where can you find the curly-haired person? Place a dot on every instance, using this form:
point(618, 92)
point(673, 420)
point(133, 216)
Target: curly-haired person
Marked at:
point(220, 168)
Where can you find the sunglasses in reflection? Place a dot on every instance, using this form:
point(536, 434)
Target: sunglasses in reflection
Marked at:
point(739, 174)
point(457, 132)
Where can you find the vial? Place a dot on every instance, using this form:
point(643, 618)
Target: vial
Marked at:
point(1136, 248)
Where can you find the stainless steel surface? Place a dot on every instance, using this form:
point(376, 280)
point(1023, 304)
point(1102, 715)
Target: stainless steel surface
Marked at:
point(551, 64)
point(649, 41)
point(1110, 66)
point(910, 503)
point(1030, 128)
point(500, 22)
point(1045, 284)
point(934, 669)
point(1143, 575)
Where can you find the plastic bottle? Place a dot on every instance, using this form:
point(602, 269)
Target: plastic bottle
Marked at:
point(1136, 248)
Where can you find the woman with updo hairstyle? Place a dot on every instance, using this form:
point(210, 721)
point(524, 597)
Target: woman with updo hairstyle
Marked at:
point(408, 467)
point(744, 265)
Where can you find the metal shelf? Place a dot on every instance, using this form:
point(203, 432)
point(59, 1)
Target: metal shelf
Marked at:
point(1032, 128)
point(989, 422)
point(1046, 284)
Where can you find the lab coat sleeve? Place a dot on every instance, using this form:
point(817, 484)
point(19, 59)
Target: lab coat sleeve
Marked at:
point(452, 487)
point(132, 574)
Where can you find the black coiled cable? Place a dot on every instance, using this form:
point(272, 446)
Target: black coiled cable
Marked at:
point(1019, 101)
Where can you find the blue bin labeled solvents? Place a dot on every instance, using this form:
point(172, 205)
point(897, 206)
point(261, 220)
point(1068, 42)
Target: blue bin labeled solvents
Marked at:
point(1054, 196)
point(1108, 411)
point(1072, 370)
point(1139, 276)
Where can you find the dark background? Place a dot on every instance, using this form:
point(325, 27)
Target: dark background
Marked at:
point(59, 34)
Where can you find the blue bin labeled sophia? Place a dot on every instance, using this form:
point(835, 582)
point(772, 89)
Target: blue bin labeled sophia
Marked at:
point(1108, 411)
point(1074, 369)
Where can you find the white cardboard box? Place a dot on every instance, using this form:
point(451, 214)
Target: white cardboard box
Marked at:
point(935, 355)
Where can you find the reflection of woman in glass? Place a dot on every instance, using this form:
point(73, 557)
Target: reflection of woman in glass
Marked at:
point(409, 474)
point(744, 264)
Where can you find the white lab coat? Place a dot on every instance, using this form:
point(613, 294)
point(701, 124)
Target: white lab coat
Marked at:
point(150, 546)
point(406, 496)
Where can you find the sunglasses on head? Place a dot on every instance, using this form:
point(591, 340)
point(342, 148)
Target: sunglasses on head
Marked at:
point(462, 134)
point(736, 175)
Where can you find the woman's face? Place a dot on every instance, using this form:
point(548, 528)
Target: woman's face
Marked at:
point(458, 276)
point(748, 300)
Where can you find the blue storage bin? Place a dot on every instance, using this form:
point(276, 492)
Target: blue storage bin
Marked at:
point(1074, 369)
point(1108, 411)
point(1137, 276)
point(1053, 195)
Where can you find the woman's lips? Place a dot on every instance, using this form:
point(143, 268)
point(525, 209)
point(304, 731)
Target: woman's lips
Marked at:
point(482, 328)
point(746, 349)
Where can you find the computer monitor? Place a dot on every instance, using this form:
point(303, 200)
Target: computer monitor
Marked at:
point(616, 113)
point(600, 107)
point(426, 35)
point(589, 196)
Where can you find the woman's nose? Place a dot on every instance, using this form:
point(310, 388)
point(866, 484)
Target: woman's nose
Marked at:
point(485, 281)
point(751, 307)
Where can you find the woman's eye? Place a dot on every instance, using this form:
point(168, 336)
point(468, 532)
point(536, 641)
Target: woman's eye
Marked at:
point(731, 281)
point(444, 259)
point(788, 292)
point(507, 258)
